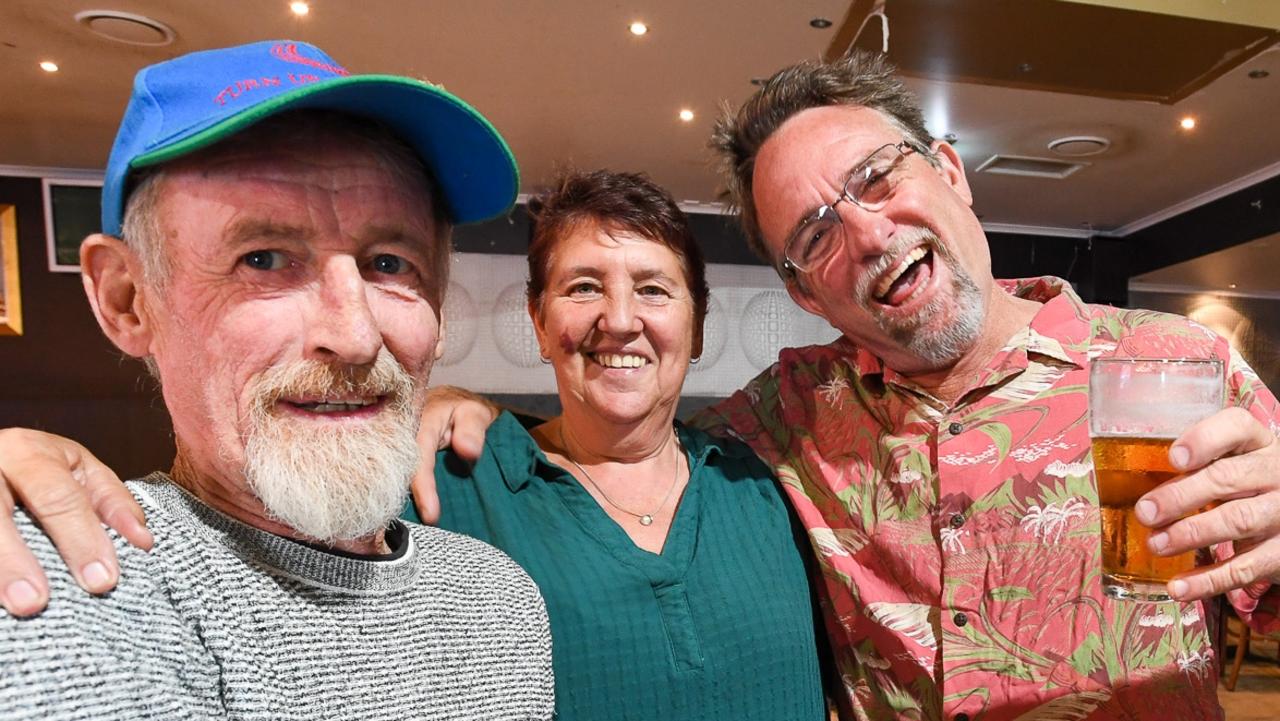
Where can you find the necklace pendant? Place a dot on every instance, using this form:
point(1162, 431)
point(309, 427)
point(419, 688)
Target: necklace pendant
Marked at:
point(646, 520)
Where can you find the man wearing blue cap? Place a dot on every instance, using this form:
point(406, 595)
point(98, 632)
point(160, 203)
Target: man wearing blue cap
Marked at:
point(275, 242)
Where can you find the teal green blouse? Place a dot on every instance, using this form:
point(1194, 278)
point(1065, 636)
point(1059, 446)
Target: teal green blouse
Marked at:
point(720, 625)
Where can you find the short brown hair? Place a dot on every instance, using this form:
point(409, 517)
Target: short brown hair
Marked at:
point(618, 201)
point(858, 78)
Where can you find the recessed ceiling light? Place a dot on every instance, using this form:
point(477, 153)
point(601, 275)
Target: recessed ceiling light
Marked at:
point(1188, 123)
point(299, 8)
point(1232, 286)
point(1258, 74)
point(686, 114)
point(49, 67)
point(820, 23)
point(638, 28)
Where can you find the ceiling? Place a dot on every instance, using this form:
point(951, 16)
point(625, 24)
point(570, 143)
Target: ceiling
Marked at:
point(567, 84)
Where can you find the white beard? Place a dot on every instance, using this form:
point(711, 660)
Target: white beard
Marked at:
point(333, 483)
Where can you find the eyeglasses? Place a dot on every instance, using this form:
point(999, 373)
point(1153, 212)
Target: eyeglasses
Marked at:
point(870, 185)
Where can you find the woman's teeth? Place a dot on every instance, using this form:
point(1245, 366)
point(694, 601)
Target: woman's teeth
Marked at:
point(882, 288)
point(618, 360)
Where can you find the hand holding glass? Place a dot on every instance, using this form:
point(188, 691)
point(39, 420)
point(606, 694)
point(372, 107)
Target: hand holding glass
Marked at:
point(1137, 408)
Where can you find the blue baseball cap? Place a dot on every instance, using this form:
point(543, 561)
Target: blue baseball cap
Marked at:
point(193, 101)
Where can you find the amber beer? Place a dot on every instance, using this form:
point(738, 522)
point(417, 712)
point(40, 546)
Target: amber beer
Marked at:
point(1126, 469)
point(1137, 408)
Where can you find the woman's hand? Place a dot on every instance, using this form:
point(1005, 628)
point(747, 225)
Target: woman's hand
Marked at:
point(71, 493)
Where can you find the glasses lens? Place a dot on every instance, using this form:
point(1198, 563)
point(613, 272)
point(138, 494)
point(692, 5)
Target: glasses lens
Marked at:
point(815, 241)
point(872, 183)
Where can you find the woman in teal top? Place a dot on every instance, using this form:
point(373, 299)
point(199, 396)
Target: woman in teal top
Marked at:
point(673, 577)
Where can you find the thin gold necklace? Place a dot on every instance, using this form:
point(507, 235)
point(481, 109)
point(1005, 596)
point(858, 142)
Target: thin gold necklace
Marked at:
point(646, 519)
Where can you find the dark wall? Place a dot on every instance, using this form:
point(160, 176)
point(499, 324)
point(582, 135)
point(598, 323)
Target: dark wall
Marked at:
point(62, 375)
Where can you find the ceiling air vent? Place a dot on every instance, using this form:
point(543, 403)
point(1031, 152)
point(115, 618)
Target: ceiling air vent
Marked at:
point(1079, 146)
point(1029, 167)
point(127, 28)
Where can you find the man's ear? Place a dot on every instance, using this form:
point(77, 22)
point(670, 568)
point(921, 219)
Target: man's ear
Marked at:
point(952, 169)
point(112, 276)
point(804, 298)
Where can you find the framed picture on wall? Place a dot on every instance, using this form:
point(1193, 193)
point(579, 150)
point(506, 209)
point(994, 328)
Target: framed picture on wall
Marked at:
point(10, 291)
point(72, 211)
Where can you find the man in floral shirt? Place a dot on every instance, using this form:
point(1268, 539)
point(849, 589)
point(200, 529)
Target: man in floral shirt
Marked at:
point(938, 453)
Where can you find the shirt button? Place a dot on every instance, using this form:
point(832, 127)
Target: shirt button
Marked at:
point(957, 521)
point(960, 619)
point(955, 428)
point(962, 717)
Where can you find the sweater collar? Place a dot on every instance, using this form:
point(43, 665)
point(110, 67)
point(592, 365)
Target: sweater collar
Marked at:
point(302, 562)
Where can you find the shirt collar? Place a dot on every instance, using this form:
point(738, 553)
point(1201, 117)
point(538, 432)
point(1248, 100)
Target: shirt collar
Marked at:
point(520, 458)
point(1059, 330)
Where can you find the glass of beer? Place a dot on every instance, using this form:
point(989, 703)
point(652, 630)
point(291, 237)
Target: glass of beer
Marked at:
point(1137, 408)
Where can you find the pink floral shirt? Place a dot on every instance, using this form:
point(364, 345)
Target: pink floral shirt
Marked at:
point(959, 544)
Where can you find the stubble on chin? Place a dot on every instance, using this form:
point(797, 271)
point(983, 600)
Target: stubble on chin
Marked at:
point(947, 326)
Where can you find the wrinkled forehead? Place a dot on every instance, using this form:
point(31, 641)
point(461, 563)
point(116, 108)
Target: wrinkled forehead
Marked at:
point(301, 183)
point(616, 238)
point(808, 158)
point(815, 139)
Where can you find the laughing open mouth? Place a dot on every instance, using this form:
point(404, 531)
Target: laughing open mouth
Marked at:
point(906, 278)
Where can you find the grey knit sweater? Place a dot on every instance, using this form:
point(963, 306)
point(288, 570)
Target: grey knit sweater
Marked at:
point(222, 620)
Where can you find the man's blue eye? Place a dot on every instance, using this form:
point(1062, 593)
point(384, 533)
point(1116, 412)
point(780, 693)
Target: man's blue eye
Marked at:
point(390, 264)
point(264, 259)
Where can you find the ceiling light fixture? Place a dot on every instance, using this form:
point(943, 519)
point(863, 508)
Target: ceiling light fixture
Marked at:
point(299, 8)
point(126, 28)
point(1258, 74)
point(638, 28)
point(1188, 123)
point(820, 23)
point(1079, 146)
point(49, 66)
point(686, 114)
